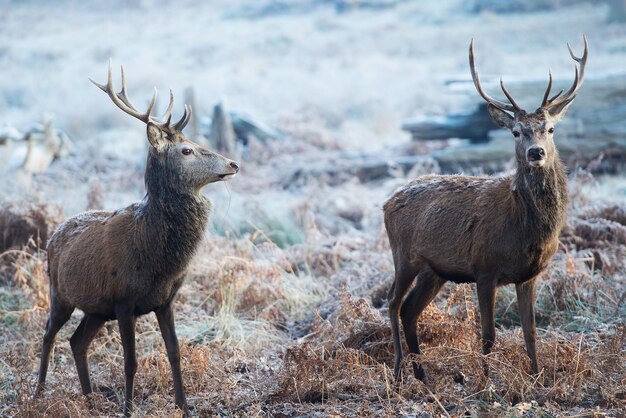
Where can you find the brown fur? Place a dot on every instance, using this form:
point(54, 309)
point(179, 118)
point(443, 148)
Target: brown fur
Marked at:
point(491, 231)
point(122, 264)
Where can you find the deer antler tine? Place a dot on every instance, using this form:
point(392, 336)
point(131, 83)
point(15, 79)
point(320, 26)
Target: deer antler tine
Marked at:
point(585, 51)
point(582, 61)
point(574, 86)
point(100, 86)
point(547, 93)
point(110, 75)
point(152, 102)
point(571, 53)
point(508, 95)
point(188, 115)
point(167, 116)
point(123, 94)
point(479, 88)
point(475, 76)
point(123, 79)
point(180, 125)
point(579, 75)
point(555, 96)
point(558, 98)
point(474, 72)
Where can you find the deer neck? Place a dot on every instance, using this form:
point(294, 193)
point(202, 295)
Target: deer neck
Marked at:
point(543, 196)
point(172, 225)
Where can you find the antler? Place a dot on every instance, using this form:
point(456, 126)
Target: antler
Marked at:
point(512, 107)
point(578, 80)
point(122, 101)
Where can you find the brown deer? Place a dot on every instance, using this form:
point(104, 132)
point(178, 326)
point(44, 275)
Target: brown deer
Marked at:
point(127, 263)
point(491, 231)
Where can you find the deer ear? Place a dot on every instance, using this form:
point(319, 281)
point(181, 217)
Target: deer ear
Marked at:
point(500, 117)
point(156, 137)
point(558, 111)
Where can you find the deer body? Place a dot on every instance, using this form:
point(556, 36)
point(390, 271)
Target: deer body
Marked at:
point(491, 231)
point(466, 227)
point(123, 264)
point(135, 255)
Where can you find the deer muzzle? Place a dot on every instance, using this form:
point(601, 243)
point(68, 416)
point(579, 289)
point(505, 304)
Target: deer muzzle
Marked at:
point(536, 156)
point(234, 169)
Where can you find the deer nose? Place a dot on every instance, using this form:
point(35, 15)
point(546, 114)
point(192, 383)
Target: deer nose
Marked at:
point(234, 166)
point(536, 153)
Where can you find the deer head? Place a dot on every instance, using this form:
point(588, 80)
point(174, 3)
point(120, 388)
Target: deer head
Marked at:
point(174, 162)
point(533, 132)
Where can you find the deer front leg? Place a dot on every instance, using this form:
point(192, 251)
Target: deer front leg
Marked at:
point(126, 321)
point(526, 303)
point(165, 316)
point(486, 302)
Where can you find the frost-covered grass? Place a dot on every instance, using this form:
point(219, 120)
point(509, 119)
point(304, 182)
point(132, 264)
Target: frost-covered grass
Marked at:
point(283, 312)
point(302, 329)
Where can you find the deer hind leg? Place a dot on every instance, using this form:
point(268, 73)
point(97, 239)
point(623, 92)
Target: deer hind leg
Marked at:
point(486, 302)
point(60, 313)
point(426, 288)
point(526, 304)
point(84, 334)
point(404, 277)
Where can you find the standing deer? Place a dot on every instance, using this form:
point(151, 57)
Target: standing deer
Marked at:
point(127, 263)
point(491, 231)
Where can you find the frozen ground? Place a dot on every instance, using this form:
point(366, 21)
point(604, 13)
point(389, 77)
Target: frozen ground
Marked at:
point(265, 304)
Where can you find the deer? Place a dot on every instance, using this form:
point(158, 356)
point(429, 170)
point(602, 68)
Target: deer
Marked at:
point(492, 231)
point(124, 264)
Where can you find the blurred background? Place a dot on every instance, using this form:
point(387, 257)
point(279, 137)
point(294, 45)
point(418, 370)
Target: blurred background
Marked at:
point(314, 88)
point(329, 106)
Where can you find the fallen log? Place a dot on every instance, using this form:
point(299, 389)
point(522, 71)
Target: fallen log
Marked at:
point(598, 112)
point(607, 152)
point(474, 125)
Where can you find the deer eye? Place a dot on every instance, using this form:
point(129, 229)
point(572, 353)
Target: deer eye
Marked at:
point(551, 130)
point(516, 134)
point(187, 151)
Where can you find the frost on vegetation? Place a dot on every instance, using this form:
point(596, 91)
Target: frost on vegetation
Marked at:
point(285, 304)
point(283, 311)
point(249, 294)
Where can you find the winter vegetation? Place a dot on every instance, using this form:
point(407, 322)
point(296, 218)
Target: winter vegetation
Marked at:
point(284, 311)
